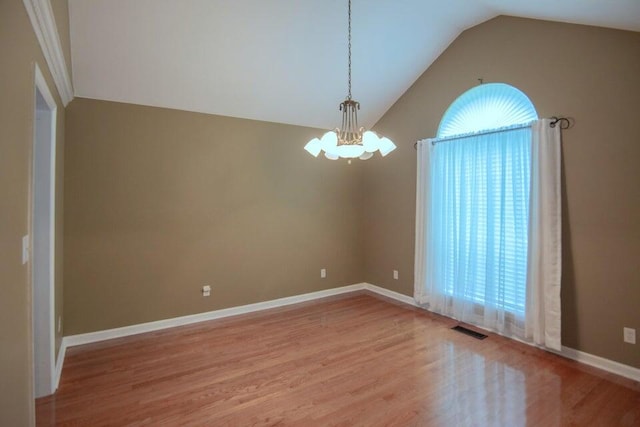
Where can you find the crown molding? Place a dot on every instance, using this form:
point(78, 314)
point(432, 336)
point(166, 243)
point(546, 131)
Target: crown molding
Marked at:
point(44, 25)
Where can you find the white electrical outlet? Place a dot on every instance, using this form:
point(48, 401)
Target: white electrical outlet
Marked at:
point(206, 291)
point(629, 335)
point(25, 249)
point(323, 273)
point(395, 274)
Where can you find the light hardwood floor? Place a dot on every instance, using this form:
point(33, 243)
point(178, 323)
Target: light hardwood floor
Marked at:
point(353, 360)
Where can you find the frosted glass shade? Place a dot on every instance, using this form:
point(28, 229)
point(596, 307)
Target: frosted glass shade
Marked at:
point(371, 143)
point(350, 151)
point(386, 146)
point(313, 147)
point(329, 141)
point(331, 156)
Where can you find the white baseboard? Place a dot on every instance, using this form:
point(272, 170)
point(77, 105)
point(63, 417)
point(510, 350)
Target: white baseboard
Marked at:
point(59, 362)
point(391, 294)
point(73, 340)
point(601, 363)
point(91, 337)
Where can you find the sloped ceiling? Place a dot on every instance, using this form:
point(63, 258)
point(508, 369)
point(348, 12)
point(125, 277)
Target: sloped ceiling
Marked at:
point(284, 60)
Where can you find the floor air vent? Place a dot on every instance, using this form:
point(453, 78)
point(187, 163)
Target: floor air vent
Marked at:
point(476, 335)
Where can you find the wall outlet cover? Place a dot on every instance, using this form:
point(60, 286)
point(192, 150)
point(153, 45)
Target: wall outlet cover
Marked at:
point(25, 249)
point(629, 335)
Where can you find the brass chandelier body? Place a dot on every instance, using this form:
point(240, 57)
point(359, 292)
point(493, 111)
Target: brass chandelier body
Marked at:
point(349, 133)
point(350, 140)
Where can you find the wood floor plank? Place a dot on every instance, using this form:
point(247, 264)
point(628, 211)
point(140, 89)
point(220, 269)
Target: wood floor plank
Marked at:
point(351, 360)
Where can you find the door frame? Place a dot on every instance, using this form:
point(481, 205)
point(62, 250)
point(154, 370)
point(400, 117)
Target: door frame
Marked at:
point(43, 293)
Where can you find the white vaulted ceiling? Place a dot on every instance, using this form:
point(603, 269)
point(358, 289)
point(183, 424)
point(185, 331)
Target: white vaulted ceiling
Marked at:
point(284, 60)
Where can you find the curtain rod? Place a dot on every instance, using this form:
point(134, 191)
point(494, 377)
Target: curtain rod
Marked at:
point(488, 132)
point(564, 124)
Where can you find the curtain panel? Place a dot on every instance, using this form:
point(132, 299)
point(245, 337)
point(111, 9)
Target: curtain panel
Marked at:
point(488, 245)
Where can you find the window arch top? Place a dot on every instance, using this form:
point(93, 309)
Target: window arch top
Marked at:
point(487, 106)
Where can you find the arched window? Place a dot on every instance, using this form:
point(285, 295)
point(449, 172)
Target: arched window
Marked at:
point(488, 106)
point(477, 208)
point(488, 216)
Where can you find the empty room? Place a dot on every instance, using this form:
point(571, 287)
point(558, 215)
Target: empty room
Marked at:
point(319, 213)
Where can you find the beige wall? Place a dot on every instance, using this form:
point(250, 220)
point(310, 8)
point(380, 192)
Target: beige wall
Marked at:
point(590, 74)
point(20, 50)
point(159, 202)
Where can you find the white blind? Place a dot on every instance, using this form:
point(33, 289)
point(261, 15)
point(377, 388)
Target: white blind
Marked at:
point(479, 208)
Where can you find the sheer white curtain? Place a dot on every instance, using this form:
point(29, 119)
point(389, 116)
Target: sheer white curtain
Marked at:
point(488, 231)
point(545, 242)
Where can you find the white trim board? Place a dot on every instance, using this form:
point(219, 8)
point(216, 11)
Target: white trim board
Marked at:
point(405, 299)
point(600, 363)
point(73, 340)
point(44, 25)
point(125, 331)
point(42, 231)
point(59, 363)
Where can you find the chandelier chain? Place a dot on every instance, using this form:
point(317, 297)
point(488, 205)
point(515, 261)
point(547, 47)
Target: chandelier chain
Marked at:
point(349, 97)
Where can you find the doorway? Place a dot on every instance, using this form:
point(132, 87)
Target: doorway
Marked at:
point(43, 237)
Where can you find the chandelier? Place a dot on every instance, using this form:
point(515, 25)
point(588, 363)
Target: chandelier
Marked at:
point(349, 141)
